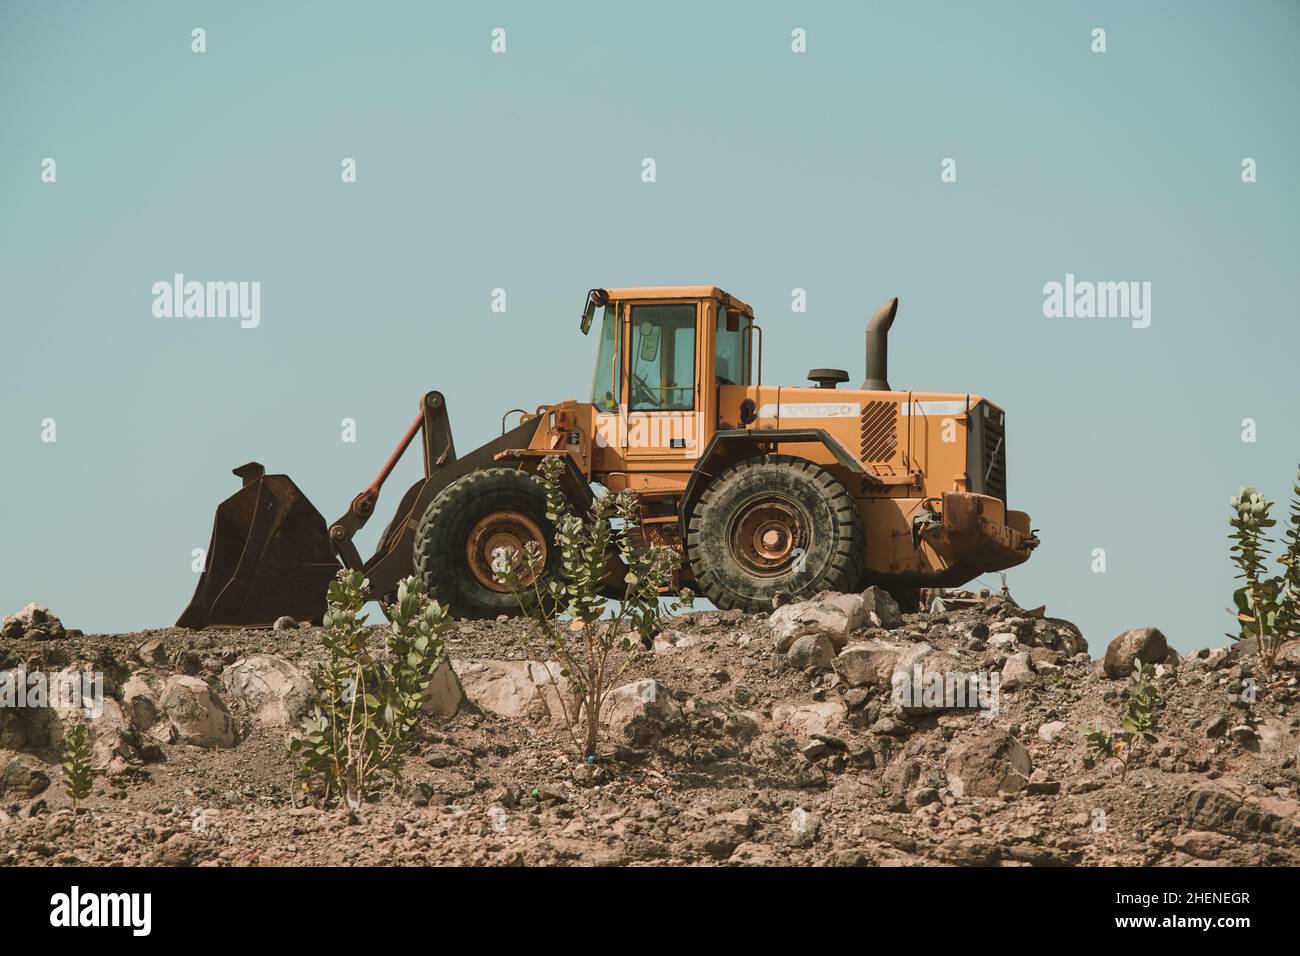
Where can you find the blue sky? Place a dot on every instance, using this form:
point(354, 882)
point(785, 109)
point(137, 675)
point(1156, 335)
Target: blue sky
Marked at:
point(521, 171)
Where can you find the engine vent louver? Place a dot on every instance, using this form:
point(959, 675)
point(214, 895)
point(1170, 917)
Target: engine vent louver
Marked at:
point(879, 431)
point(995, 458)
point(987, 451)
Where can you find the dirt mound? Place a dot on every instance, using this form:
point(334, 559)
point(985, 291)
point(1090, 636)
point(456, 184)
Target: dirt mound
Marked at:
point(818, 735)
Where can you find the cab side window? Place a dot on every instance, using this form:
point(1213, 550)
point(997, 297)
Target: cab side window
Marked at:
point(731, 364)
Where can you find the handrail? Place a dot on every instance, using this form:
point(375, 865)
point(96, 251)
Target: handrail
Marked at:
point(509, 412)
point(751, 329)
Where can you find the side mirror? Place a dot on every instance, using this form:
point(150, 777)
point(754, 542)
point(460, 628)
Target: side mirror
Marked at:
point(733, 321)
point(595, 297)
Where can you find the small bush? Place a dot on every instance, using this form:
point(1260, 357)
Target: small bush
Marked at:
point(1267, 607)
point(368, 705)
point(568, 610)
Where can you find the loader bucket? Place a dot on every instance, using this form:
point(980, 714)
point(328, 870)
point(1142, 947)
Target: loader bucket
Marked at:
point(270, 556)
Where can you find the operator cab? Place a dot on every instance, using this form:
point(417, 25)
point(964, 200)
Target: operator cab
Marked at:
point(664, 353)
point(678, 337)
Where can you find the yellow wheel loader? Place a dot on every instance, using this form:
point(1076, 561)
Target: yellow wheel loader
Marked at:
point(765, 490)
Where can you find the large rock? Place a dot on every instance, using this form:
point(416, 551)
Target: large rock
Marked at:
point(152, 651)
point(1289, 654)
point(516, 689)
point(197, 715)
point(142, 704)
point(36, 729)
point(1145, 644)
point(874, 663)
point(443, 696)
point(924, 681)
point(881, 608)
point(809, 717)
point(811, 650)
point(22, 775)
point(1017, 672)
point(640, 712)
point(276, 691)
point(113, 743)
point(838, 616)
point(867, 663)
point(986, 764)
point(1229, 807)
point(33, 623)
point(835, 615)
point(1059, 635)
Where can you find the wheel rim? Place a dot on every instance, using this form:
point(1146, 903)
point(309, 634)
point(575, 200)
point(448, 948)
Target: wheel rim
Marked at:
point(501, 529)
point(768, 535)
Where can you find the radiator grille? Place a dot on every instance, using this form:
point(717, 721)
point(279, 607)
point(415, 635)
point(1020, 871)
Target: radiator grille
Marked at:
point(994, 458)
point(879, 431)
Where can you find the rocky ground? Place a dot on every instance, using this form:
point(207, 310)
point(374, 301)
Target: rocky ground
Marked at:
point(738, 740)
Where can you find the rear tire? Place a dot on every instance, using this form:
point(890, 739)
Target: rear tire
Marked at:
point(465, 523)
point(774, 524)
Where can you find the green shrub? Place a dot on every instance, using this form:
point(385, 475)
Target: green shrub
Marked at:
point(567, 609)
point(1288, 617)
point(1267, 607)
point(368, 704)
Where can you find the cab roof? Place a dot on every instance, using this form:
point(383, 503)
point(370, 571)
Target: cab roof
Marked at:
point(682, 292)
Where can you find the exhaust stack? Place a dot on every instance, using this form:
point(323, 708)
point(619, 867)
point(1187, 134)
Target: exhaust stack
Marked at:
point(878, 347)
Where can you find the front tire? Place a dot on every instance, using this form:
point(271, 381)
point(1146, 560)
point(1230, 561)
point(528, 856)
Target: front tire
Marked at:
point(463, 526)
point(774, 524)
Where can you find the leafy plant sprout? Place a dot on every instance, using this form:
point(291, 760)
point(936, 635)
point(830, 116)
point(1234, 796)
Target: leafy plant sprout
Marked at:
point(77, 775)
point(568, 610)
point(1140, 723)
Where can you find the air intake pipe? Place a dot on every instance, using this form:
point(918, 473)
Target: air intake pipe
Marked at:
point(878, 347)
